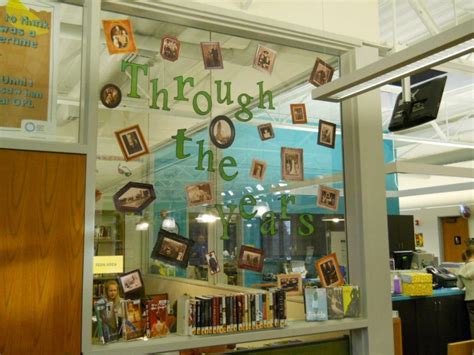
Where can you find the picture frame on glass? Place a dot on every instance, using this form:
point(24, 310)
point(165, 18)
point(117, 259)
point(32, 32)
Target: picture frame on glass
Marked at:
point(119, 36)
point(131, 283)
point(327, 134)
point(212, 262)
point(110, 95)
point(250, 258)
point(292, 283)
point(212, 55)
point(264, 59)
point(328, 198)
point(132, 142)
point(292, 164)
point(298, 113)
point(265, 131)
point(199, 194)
point(134, 197)
point(329, 271)
point(321, 74)
point(170, 47)
point(258, 169)
point(172, 248)
point(222, 132)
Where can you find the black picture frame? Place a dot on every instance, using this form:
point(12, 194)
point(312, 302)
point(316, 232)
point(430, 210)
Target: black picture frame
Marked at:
point(131, 284)
point(222, 139)
point(265, 131)
point(110, 95)
point(134, 197)
point(327, 134)
point(172, 249)
point(251, 258)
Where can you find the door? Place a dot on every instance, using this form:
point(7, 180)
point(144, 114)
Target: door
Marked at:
point(455, 237)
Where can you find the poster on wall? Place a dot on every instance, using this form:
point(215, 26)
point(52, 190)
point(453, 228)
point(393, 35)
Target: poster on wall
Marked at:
point(25, 56)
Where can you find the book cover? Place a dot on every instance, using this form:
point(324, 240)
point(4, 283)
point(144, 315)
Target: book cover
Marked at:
point(108, 329)
point(351, 300)
point(133, 322)
point(185, 316)
point(157, 316)
point(315, 304)
point(335, 302)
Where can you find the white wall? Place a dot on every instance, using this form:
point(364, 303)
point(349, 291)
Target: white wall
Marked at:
point(431, 228)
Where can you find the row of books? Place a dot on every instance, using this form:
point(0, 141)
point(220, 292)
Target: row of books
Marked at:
point(131, 319)
point(332, 302)
point(218, 314)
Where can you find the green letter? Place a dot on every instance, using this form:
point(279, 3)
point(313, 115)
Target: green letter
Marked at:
point(180, 138)
point(225, 222)
point(202, 154)
point(261, 97)
point(222, 165)
point(307, 223)
point(284, 205)
point(155, 93)
point(243, 106)
point(268, 218)
point(180, 87)
point(134, 79)
point(196, 106)
point(244, 203)
point(228, 96)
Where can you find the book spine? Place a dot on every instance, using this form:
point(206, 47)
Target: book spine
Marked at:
point(258, 311)
point(246, 312)
point(223, 315)
point(183, 310)
point(198, 317)
point(264, 312)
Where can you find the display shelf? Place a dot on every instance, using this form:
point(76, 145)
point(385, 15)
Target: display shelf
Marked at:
point(176, 342)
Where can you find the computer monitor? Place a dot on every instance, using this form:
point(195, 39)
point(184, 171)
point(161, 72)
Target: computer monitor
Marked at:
point(422, 259)
point(403, 259)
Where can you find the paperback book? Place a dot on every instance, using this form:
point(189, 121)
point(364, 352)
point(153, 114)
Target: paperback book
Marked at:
point(108, 329)
point(133, 321)
point(335, 302)
point(157, 318)
point(351, 299)
point(315, 302)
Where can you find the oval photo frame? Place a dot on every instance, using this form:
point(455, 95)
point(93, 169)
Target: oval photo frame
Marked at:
point(224, 137)
point(110, 95)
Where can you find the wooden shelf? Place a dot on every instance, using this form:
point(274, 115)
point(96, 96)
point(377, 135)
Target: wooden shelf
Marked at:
point(176, 342)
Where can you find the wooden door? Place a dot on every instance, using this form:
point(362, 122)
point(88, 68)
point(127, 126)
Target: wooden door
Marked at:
point(41, 252)
point(455, 236)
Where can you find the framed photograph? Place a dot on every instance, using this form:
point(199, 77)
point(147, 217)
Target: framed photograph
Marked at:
point(132, 143)
point(298, 113)
point(172, 248)
point(131, 283)
point(134, 197)
point(110, 95)
point(258, 169)
point(250, 258)
point(327, 134)
point(291, 283)
point(199, 194)
point(321, 74)
point(119, 36)
point(222, 132)
point(329, 271)
point(212, 263)
point(169, 49)
point(265, 131)
point(264, 59)
point(211, 55)
point(292, 164)
point(328, 198)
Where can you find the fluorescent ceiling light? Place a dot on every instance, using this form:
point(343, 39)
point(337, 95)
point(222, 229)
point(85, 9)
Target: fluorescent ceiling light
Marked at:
point(433, 51)
point(206, 218)
point(332, 219)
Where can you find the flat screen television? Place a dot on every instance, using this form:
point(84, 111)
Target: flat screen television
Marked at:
point(423, 107)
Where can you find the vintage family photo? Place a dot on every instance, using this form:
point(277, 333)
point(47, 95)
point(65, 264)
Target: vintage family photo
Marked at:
point(132, 142)
point(321, 74)
point(119, 36)
point(329, 271)
point(327, 134)
point(134, 197)
point(265, 131)
point(250, 258)
point(211, 55)
point(172, 248)
point(328, 198)
point(110, 95)
point(264, 59)
point(199, 194)
point(292, 164)
point(170, 48)
point(291, 283)
point(131, 282)
point(258, 169)
point(222, 132)
point(212, 263)
point(298, 113)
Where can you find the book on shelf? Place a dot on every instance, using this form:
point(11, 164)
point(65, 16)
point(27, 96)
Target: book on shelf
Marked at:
point(351, 300)
point(315, 304)
point(157, 317)
point(108, 327)
point(133, 326)
point(335, 302)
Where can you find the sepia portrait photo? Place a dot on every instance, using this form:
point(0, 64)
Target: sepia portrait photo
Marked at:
point(222, 132)
point(298, 113)
point(211, 55)
point(250, 258)
point(328, 198)
point(265, 131)
point(327, 134)
point(264, 59)
point(258, 169)
point(199, 194)
point(131, 142)
point(110, 95)
point(292, 164)
point(321, 74)
point(329, 271)
point(134, 197)
point(119, 36)
point(131, 282)
point(172, 248)
point(291, 283)
point(212, 263)
point(170, 48)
